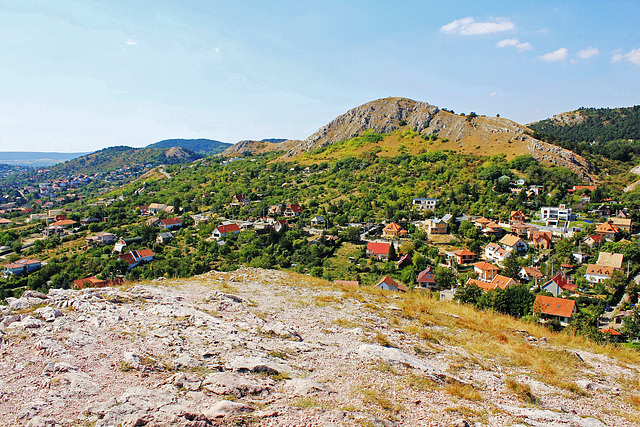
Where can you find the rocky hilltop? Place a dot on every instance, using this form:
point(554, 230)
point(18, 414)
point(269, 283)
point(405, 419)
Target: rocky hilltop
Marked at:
point(479, 135)
point(261, 347)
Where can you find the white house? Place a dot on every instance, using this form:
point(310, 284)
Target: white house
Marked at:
point(424, 203)
point(496, 253)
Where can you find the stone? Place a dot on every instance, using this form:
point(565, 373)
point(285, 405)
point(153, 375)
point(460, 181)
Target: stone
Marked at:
point(303, 386)
point(224, 408)
point(233, 384)
point(185, 360)
point(187, 382)
point(258, 364)
point(396, 357)
point(281, 330)
point(49, 314)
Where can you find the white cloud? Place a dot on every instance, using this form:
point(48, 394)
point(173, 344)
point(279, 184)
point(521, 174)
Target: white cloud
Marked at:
point(633, 56)
point(469, 26)
point(588, 52)
point(131, 42)
point(556, 55)
point(617, 57)
point(515, 43)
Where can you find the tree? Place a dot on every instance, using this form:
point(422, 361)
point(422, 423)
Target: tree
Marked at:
point(445, 277)
point(516, 301)
point(392, 252)
point(631, 327)
point(511, 266)
point(469, 294)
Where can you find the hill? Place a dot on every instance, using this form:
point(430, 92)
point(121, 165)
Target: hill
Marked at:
point(262, 347)
point(258, 147)
point(202, 145)
point(613, 133)
point(36, 159)
point(415, 127)
point(113, 158)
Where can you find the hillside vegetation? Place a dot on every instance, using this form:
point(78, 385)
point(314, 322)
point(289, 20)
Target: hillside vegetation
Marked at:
point(201, 145)
point(613, 133)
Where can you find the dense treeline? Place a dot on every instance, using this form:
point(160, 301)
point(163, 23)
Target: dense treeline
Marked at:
point(611, 133)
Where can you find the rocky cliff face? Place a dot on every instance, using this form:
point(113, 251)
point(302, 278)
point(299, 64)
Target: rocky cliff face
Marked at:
point(260, 347)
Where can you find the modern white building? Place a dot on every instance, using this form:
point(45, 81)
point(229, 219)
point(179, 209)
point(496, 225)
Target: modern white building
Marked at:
point(425, 203)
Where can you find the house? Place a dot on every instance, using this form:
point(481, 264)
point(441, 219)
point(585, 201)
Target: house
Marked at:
point(388, 284)
point(481, 223)
point(275, 210)
point(90, 220)
point(485, 270)
point(224, 229)
point(404, 261)
point(464, 256)
point(530, 273)
point(520, 228)
point(623, 224)
point(517, 216)
point(611, 334)
point(559, 284)
point(585, 198)
point(101, 239)
point(163, 237)
point(293, 210)
point(154, 220)
point(426, 279)
point(520, 182)
point(5, 222)
point(280, 225)
point(492, 229)
point(552, 214)
point(170, 223)
point(607, 230)
point(393, 231)
point(575, 188)
point(88, 282)
point(240, 200)
point(378, 250)
point(593, 240)
point(21, 266)
point(513, 243)
point(610, 259)
point(554, 308)
point(498, 282)
point(580, 257)
point(317, 220)
point(598, 273)
point(135, 258)
point(425, 203)
point(495, 253)
point(602, 210)
point(542, 239)
point(156, 208)
point(436, 226)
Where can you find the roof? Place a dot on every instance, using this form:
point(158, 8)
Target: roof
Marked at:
point(171, 221)
point(22, 263)
point(606, 227)
point(532, 271)
point(228, 228)
point(426, 276)
point(502, 282)
point(482, 220)
point(379, 248)
point(486, 266)
point(390, 282)
point(464, 252)
point(562, 283)
point(554, 306)
point(610, 259)
point(393, 227)
point(5, 221)
point(294, 207)
point(485, 286)
point(596, 238)
point(600, 270)
point(128, 258)
point(610, 331)
point(63, 222)
point(510, 240)
point(625, 222)
point(142, 253)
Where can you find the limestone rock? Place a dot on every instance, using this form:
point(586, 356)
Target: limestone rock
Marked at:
point(233, 384)
point(224, 408)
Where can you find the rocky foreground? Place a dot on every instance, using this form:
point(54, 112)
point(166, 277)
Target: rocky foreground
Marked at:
point(258, 347)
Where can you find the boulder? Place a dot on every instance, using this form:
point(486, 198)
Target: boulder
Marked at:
point(258, 364)
point(233, 384)
point(224, 408)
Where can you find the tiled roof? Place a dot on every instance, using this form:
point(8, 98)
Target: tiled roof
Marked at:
point(485, 266)
point(610, 259)
point(600, 270)
point(510, 240)
point(554, 306)
point(379, 248)
point(227, 228)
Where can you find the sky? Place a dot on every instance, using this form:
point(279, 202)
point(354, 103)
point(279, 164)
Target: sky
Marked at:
point(79, 76)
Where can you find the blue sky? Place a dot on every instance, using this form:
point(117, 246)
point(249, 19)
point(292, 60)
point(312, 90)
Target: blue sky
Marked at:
point(84, 75)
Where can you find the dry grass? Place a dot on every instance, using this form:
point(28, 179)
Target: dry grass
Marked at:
point(463, 391)
point(379, 398)
point(523, 391)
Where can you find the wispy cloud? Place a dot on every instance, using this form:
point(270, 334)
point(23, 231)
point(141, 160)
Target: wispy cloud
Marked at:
point(588, 52)
point(469, 26)
point(556, 55)
point(515, 43)
point(131, 42)
point(633, 57)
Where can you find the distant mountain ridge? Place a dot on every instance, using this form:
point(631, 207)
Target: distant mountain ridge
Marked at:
point(201, 145)
point(36, 158)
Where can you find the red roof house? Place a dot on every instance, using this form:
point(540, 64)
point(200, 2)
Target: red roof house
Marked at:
point(378, 250)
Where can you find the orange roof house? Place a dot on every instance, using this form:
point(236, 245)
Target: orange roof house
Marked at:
point(378, 250)
point(388, 284)
point(551, 307)
point(517, 216)
point(393, 230)
point(559, 284)
point(464, 256)
point(607, 229)
point(486, 271)
point(224, 229)
point(598, 273)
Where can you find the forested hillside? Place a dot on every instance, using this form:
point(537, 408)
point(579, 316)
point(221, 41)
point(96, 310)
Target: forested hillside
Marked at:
point(609, 132)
